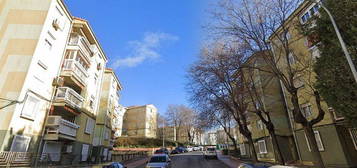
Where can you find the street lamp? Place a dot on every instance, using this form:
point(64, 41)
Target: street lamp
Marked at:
point(342, 43)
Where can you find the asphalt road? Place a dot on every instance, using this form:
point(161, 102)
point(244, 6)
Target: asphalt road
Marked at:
point(193, 160)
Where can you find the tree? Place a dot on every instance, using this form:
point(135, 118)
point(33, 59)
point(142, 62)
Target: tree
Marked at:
point(264, 26)
point(215, 83)
point(334, 78)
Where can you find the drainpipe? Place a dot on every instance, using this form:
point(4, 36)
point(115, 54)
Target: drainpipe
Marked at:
point(40, 146)
point(291, 117)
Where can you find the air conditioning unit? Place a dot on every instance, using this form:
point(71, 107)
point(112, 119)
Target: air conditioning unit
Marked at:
point(58, 81)
point(53, 120)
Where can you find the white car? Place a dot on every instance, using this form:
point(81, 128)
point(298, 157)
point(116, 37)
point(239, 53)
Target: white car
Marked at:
point(210, 153)
point(196, 148)
point(159, 160)
point(189, 149)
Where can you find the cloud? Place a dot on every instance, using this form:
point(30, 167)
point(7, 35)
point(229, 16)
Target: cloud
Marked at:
point(144, 49)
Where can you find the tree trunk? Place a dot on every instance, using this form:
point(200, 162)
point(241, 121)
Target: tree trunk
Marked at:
point(252, 149)
point(310, 135)
point(277, 152)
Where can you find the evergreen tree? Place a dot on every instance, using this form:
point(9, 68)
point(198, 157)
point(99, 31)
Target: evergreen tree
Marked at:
point(335, 81)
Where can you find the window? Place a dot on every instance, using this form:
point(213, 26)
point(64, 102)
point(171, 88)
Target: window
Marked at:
point(89, 126)
point(91, 102)
point(291, 59)
point(48, 44)
point(260, 125)
point(337, 115)
point(305, 17)
point(85, 152)
point(318, 141)
point(242, 149)
point(20, 143)
point(314, 9)
point(262, 147)
point(30, 107)
point(105, 153)
point(106, 133)
point(306, 110)
point(353, 132)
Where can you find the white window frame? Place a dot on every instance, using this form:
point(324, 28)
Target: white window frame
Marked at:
point(260, 125)
point(26, 139)
point(89, 126)
point(33, 109)
point(306, 105)
point(317, 139)
point(243, 151)
point(106, 133)
point(262, 150)
point(353, 133)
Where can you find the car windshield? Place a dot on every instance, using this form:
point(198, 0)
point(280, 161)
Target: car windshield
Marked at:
point(211, 149)
point(158, 159)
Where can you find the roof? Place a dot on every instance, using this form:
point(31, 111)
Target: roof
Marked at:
point(88, 31)
point(297, 11)
point(138, 106)
point(109, 70)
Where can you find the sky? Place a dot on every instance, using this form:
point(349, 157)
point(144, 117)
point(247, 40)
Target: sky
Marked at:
point(150, 44)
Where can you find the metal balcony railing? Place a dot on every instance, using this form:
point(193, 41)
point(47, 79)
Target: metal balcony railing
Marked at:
point(57, 125)
point(82, 43)
point(69, 96)
point(78, 70)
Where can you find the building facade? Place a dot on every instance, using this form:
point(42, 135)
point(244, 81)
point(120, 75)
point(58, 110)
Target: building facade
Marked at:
point(33, 39)
point(335, 138)
point(140, 121)
point(117, 120)
point(53, 85)
point(109, 100)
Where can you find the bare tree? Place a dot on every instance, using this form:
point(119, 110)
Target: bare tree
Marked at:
point(264, 26)
point(215, 83)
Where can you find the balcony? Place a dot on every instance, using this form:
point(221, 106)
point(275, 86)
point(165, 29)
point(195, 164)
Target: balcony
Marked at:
point(69, 97)
point(72, 67)
point(80, 43)
point(59, 128)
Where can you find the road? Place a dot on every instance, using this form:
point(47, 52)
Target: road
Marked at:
point(193, 160)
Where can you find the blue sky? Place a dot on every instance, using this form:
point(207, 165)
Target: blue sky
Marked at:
point(150, 44)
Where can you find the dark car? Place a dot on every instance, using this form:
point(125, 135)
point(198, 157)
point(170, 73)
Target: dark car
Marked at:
point(175, 151)
point(179, 149)
point(162, 151)
point(114, 165)
point(166, 151)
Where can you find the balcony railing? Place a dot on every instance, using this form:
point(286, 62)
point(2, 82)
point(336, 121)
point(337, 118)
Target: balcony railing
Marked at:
point(57, 125)
point(79, 71)
point(82, 43)
point(69, 96)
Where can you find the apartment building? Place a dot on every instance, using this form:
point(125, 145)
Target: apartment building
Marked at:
point(33, 38)
point(336, 139)
point(117, 120)
point(140, 121)
point(69, 129)
point(267, 97)
point(104, 133)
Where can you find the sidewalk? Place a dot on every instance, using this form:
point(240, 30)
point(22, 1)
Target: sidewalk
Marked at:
point(230, 162)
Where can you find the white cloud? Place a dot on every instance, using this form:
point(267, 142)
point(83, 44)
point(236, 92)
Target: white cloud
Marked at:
point(144, 49)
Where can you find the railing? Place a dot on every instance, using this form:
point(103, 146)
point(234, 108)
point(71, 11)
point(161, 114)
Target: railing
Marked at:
point(16, 159)
point(57, 125)
point(79, 71)
point(69, 96)
point(83, 44)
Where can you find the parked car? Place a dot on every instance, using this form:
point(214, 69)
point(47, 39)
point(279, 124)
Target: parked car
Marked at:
point(175, 151)
point(196, 148)
point(189, 149)
point(162, 151)
point(180, 149)
point(159, 160)
point(201, 148)
point(249, 165)
point(210, 153)
point(114, 165)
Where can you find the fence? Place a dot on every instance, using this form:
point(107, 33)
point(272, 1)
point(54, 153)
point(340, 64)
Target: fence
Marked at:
point(122, 156)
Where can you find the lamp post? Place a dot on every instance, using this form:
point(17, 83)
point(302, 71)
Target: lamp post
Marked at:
point(342, 43)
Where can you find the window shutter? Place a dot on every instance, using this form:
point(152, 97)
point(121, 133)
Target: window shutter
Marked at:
point(89, 126)
point(85, 149)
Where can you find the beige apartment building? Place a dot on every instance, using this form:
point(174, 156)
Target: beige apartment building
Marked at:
point(335, 138)
point(104, 133)
point(140, 121)
point(52, 69)
point(33, 38)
